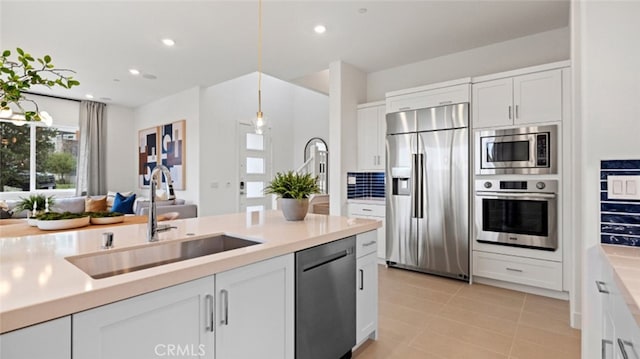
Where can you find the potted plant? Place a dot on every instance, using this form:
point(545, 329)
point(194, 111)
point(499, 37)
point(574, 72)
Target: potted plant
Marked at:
point(37, 202)
point(294, 190)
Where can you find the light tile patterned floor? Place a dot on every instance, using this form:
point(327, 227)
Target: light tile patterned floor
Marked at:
point(424, 316)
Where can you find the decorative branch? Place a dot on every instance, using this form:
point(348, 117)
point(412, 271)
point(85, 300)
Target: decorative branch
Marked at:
point(18, 76)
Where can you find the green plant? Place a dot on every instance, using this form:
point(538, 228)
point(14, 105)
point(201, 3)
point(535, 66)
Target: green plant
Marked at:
point(18, 76)
point(293, 185)
point(26, 204)
point(56, 216)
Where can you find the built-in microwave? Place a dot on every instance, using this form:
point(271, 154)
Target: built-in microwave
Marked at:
point(524, 150)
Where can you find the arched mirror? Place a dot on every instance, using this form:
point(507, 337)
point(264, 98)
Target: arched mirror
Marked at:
point(317, 149)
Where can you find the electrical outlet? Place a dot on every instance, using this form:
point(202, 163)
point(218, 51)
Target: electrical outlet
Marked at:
point(623, 187)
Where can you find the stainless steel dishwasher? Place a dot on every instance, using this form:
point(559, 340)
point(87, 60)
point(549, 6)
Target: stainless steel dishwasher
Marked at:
point(326, 300)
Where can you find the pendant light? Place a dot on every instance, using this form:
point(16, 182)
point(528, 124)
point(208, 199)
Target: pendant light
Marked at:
point(259, 121)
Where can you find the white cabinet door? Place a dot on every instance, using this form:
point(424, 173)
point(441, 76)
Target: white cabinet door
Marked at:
point(382, 243)
point(367, 138)
point(49, 340)
point(172, 322)
point(371, 129)
point(371, 211)
point(492, 103)
point(428, 98)
point(381, 138)
point(367, 297)
point(537, 97)
point(255, 310)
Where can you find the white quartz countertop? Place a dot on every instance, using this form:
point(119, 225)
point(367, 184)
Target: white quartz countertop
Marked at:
point(625, 261)
point(37, 283)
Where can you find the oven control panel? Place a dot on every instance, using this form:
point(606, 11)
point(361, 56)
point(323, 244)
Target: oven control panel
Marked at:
point(533, 186)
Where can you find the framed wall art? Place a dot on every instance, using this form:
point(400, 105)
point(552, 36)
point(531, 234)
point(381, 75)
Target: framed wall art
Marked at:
point(147, 154)
point(166, 145)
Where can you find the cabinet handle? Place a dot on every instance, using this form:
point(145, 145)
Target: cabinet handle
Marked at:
point(369, 243)
point(445, 102)
point(209, 312)
point(225, 314)
point(404, 108)
point(510, 112)
point(601, 287)
point(375, 160)
point(517, 111)
point(367, 210)
point(604, 344)
point(514, 270)
point(623, 350)
point(361, 279)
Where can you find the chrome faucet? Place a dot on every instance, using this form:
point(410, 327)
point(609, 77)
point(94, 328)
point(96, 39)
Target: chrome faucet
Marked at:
point(156, 175)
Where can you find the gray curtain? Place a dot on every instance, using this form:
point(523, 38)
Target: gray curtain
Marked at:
point(92, 149)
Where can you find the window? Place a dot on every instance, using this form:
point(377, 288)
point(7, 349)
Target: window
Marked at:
point(37, 157)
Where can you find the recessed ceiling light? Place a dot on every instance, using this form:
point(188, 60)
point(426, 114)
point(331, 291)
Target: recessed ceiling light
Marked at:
point(134, 72)
point(320, 29)
point(168, 42)
point(150, 76)
point(89, 96)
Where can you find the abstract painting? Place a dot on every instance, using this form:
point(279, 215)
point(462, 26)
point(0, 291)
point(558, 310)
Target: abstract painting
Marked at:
point(172, 155)
point(147, 154)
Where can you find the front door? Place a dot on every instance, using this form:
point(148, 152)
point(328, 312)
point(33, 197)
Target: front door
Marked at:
point(255, 168)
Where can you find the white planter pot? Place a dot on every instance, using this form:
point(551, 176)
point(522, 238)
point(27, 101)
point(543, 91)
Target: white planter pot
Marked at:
point(294, 209)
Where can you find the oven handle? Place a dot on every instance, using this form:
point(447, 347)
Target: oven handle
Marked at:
point(516, 195)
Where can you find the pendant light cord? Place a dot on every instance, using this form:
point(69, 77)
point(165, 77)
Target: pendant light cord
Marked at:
point(259, 57)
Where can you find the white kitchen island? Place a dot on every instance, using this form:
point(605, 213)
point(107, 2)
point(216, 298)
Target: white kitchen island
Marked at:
point(191, 299)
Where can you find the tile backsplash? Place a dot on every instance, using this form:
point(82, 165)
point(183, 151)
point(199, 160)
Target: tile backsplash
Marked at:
point(619, 218)
point(365, 184)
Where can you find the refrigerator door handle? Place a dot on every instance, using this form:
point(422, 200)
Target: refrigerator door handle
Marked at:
point(414, 185)
point(420, 186)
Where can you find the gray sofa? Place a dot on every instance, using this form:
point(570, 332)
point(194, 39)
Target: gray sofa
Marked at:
point(77, 205)
point(178, 205)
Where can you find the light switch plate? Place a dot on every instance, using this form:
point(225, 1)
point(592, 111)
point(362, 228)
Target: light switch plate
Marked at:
point(623, 187)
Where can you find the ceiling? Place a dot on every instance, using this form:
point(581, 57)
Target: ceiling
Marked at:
point(217, 40)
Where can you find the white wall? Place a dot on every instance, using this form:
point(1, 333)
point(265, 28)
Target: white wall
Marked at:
point(310, 119)
point(606, 60)
point(537, 49)
point(347, 90)
point(182, 105)
point(318, 81)
point(292, 114)
point(65, 113)
point(121, 144)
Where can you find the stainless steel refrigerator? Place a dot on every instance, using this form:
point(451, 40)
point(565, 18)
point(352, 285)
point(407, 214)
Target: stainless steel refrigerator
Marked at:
point(427, 186)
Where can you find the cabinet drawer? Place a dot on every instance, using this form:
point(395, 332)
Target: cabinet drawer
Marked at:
point(438, 97)
point(369, 210)
point(528, 271)
point(366, 243)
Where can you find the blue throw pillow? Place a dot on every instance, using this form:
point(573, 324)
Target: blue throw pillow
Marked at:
point(123, 204)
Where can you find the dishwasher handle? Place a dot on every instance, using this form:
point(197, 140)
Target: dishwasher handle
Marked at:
point(327, 259)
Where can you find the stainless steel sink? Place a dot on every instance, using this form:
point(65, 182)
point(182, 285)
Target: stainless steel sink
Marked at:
point(113, 262)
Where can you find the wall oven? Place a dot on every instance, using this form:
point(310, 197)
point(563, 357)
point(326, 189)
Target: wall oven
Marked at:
point(524, 150)
point(517, 213)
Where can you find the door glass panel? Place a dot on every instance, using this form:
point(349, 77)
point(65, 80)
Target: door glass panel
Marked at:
point(255, 165)
point(255, 142)
point(254, 189)
point(516, 216)
point(511, 151)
